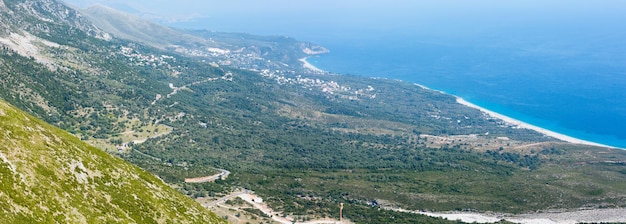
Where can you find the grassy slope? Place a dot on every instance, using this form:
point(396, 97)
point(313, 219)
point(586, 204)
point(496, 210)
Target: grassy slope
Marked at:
point(48, 176)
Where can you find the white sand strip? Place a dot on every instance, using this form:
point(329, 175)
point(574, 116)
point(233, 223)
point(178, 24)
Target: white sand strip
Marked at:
point(521, 124)
point(309, 66)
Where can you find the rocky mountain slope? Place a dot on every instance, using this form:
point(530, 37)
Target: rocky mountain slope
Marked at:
point(51, 17)
point(49, 176)
point(127, 26)
point(231, 49)
point(304, 141)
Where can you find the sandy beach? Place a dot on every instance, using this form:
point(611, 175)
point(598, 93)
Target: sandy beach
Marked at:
point(521, 124)
point(309, 66)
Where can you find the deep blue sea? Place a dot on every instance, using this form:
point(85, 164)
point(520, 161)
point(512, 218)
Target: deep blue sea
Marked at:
point(575, 90)
point(566, 74)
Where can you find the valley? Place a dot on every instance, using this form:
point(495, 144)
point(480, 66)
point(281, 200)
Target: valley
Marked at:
point(213, 113)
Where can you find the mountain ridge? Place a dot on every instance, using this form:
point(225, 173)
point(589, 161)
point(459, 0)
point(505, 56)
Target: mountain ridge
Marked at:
point(128, 26)
point(230, 49)
point(51, 13)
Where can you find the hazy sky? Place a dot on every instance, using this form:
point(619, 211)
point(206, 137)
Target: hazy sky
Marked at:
point(435, 18)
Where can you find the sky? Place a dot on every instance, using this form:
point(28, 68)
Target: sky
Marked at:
point(445, 20)
point(376, 13)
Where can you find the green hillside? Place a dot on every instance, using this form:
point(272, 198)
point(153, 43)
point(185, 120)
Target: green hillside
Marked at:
point(50, 176)
point(305, 141)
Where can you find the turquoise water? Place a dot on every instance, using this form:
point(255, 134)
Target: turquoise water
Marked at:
point(570, 91)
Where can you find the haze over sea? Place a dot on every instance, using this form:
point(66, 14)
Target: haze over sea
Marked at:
point(558, 65)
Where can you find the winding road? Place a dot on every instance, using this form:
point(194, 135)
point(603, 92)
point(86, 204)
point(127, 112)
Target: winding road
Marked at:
point(222, 176)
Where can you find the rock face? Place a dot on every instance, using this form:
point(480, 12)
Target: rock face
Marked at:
point(49, 14)
point(49, 176)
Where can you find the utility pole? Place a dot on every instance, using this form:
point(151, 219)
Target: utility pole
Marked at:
point(340, 212)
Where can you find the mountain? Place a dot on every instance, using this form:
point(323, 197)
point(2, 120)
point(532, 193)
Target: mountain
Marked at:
point(303, 140)
point(52, 19)
point(49, 176)
point(231, 49)
point(128, 26)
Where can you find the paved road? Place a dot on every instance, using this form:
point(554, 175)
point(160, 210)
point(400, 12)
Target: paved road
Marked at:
point(222, 175)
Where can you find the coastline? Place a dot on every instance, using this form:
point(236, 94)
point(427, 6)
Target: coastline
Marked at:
point(509, 120)
point(521, 124)
point(309, 66)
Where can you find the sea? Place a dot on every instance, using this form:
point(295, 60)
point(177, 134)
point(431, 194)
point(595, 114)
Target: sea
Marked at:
point(581, 94)
point(567, 79)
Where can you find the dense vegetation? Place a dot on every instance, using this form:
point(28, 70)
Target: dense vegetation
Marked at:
point(49, 176)
point(305, 142)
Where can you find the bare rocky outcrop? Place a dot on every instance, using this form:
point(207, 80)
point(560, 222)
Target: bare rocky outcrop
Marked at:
point(50, 11)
